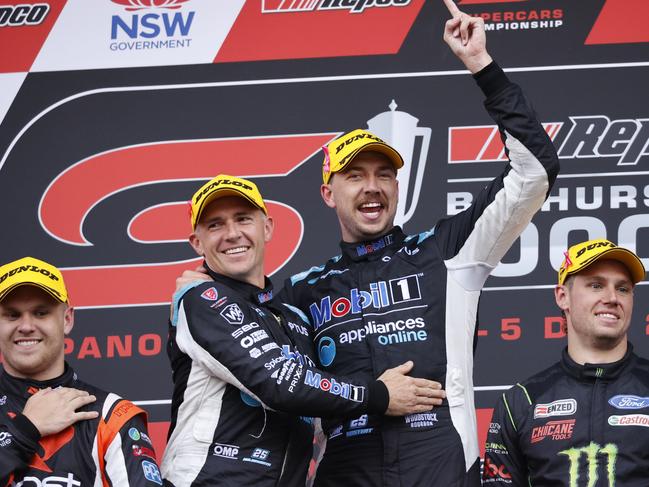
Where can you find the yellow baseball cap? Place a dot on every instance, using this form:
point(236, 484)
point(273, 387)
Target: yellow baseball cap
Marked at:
point(341, 151)
point(580, 256)
point(224, 185)
point(32, 272)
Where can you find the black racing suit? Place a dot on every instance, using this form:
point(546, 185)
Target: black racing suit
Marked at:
point(112, 450)
point(400, 298)
point(237, 357)
point(573, 425)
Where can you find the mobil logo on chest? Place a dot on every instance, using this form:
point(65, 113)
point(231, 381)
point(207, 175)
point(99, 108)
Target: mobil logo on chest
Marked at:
point(380, 295)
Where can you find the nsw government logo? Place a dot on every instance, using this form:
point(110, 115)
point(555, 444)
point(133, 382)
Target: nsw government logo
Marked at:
point(150, 25)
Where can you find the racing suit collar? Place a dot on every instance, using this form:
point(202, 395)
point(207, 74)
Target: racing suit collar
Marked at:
point(608, 371)
point(257, 295)
point(27, 387)
point(373, 249)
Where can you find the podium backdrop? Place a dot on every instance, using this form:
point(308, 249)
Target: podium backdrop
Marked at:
point(114, 111)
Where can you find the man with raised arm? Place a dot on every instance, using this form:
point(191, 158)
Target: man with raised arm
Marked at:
point(390, 297)
point(415, 297)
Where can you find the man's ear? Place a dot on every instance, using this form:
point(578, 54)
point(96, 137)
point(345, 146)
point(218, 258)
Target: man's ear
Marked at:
point(195, 242)
point(269, 227)
point(561, 297)
point(68, 320)
point(327, 195)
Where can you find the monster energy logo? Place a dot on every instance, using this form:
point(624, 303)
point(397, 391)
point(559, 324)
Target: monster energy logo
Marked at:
point(591, 452)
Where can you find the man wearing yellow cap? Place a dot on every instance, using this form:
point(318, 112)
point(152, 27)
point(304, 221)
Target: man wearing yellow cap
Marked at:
point(239, 356)
point(584, 420)
point(54, 428)
point(390, 297)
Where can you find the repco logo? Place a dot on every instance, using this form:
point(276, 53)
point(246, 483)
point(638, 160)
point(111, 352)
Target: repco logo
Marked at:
point(14, 16)
point(599, 136)
point(354, 6)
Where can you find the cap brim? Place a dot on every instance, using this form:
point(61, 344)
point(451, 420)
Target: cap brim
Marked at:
point(622, 255)
point(52, 292)
point(222, 193)
point(384, 149)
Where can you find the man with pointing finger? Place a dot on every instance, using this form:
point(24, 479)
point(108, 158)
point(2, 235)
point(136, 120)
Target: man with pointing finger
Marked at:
point(390, 297)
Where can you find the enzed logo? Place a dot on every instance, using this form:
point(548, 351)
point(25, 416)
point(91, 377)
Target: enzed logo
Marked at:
point(354, 6)
point(562, 407)
point(592, 454)
point(381, 295)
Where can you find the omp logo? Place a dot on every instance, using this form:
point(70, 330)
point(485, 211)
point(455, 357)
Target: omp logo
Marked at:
point(482, 143)
point(140, 4)
point(596, 457)
point(629, 420)
point(344, 390)
point(17, 15)
point(562, 407)
point(380, 295)
point(225, 451)
point(629, 402)
point(557, 430)
point(627, 140)
point(52, 481)
point(354, 6)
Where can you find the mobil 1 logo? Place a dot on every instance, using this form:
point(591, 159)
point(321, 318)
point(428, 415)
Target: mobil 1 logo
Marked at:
point(405, 288)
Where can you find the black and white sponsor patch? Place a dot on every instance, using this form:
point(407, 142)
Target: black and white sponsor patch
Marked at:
point(232, 314)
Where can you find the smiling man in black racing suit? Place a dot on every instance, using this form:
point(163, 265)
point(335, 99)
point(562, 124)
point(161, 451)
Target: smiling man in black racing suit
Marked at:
point(390, 297)
point(241, 366)
point(55, 430)
point(582, 422)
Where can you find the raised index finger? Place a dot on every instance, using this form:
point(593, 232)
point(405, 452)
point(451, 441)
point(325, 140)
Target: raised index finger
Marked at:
point(450, 5)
